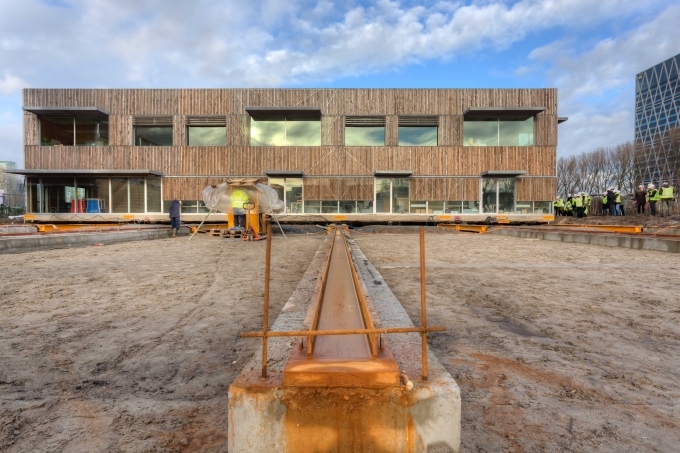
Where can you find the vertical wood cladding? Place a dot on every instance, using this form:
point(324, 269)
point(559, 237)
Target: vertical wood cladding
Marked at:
point(536, 189)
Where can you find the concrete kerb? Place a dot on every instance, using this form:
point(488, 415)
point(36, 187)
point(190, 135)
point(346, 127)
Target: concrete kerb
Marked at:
point(632, 242)
point(264, 416)
point(18, 244)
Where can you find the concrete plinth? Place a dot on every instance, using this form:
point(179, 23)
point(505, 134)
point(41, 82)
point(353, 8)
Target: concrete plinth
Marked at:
point(266, 416)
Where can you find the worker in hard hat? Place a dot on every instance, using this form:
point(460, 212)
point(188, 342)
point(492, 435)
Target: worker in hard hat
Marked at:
point(569, 205)
point(559, 206)
point(611, 201)
point(577, 204)
point(667, 194)
point(605, 206)
point(619, 203)
point(587, 200)
point(641, 199)
point(239, 197)
point(653, 196)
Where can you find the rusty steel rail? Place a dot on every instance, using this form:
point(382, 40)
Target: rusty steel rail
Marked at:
point(371, 331)
point(472, 228)
point(614, 228)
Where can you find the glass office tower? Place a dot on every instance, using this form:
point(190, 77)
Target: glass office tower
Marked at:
point(657, 133)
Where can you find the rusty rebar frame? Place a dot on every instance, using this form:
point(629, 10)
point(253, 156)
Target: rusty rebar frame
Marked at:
point(265, 334)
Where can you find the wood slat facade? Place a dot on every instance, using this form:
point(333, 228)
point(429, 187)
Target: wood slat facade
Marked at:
point(332, 171)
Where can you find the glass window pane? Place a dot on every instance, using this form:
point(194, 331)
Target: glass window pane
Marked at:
point(506, 195)
point(470, 207)
point(454, 207)
point(489, 194)
point(56, 130)
point(278, 184)
point(365, 136)
point(293, 195)
point(365, 206)
point(153, 136)
point(202, 208)
point(524, 207)
point(400, 195)
point(348, 206)
point(92, 131)
point(189, 206)
point(119, 195)
point(435, 207)
point(419, 207)
point(35, 194)
point(418, 136)
point(516, 133)
point(303, 131)
point(480, 133)
point(382, 195)
point(543, 207)
point(136, 195)
point(59, 195)
point(153, 194)
point(329, 207)
point(207, 136)
point(268, 132)
point(96, 193)
point(312, 207)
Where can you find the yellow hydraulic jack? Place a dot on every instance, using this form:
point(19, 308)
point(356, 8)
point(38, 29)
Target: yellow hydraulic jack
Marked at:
point(250, 234)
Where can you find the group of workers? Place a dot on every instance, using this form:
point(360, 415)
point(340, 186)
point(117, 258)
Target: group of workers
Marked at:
point(576, 204)
point(579, 203)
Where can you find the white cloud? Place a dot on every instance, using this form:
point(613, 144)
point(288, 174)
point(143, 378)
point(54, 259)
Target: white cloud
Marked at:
point(10, 84)
point(597, 86)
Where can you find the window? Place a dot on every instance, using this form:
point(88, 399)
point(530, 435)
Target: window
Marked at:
point(495, 132)
point(206, 131)
point(418, 131)
point(119, 195)
point(392, 195)
point(288, 130)
point(153, 195)
point(152, 131)
point(96, 194)
point(365, 131)
point(69, 130)
point(136, 195)
point(290, 191)
point(498, 195)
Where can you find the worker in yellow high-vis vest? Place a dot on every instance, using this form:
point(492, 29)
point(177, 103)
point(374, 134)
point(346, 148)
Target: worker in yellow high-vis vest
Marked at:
point(667, 194)
point(238, 198)
point(653, 197)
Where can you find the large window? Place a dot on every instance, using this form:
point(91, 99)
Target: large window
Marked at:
point(206, 136)
point(365, 131)
point(418, 131)
point(498, 195)
point(392, 195)
point(93, 195)
point(289, 130)
point(153, 135)
point(69, 130)
point(497, 132)
point(290, 191)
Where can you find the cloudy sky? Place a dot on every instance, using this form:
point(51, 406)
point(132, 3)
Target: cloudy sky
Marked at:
point(590, 50)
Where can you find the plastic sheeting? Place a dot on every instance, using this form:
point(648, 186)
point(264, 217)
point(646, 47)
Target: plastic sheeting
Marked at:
point(265, 198)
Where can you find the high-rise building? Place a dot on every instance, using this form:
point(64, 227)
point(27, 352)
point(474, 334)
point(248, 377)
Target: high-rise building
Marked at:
point(12, 188)
point(657, 132)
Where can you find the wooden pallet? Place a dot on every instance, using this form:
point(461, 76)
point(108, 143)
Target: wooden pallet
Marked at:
point(215, 233)
point(232, 233)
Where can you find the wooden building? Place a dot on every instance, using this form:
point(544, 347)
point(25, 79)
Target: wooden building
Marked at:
point(333, 154)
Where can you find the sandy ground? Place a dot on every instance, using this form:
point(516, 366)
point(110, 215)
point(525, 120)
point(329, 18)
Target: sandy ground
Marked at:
point(131, 347)
point(556, 347)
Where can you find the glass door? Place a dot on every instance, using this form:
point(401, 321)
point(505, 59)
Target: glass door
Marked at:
point(498, 195)
point(392, 195)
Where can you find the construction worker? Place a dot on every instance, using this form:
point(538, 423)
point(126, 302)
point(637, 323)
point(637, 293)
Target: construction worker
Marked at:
point(667, 194)
point(619, 203)
point(569, 206)
point(559, 207)
point(653, 197)
point(238, 198)
point(587, 200)
point(577, 202)
point(605, 206)
point(175, 208)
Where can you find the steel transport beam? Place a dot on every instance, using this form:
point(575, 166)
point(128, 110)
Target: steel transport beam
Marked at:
point(472, 228)
point(614, 228)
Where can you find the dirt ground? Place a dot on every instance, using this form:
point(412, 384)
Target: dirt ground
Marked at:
point(556, 347)
point(131, 347)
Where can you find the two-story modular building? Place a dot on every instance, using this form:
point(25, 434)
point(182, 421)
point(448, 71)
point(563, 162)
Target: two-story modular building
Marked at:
point(333, 154)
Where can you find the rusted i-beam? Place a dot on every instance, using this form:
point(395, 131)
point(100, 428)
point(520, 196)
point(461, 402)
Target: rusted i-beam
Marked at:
point(265, 317)
point(423, 301)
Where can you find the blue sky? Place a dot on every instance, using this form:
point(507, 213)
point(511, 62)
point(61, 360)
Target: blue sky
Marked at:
point(589, 50)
